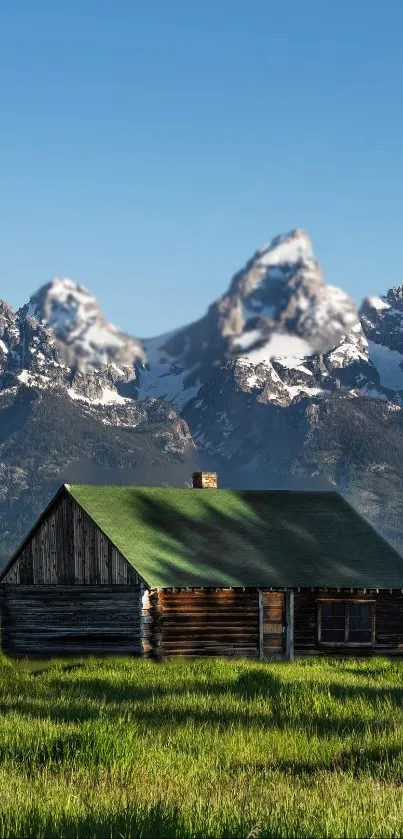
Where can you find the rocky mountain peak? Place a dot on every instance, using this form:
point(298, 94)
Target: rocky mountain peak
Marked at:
point(281, 291)
point(6, 311)
point(278, 305)
point(274, 262)
point(288, 248)
point(64, 306)
point(395, 297)
point(9, 334)
point(87, 341)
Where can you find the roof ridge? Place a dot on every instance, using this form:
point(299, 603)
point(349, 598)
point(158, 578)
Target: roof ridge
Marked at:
point(321, 492)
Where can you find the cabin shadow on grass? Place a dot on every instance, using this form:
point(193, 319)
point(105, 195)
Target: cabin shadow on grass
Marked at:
point(159, 822)
point(221, 703)
point(381, 763)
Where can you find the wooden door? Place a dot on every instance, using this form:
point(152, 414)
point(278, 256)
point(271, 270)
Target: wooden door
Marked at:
point(272, 625)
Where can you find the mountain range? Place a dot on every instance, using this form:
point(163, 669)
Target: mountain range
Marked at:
point(282, 383)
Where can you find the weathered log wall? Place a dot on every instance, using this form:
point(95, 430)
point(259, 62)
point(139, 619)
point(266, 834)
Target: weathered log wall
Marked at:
point(388, 624)
point(40, 621)
point(69, 549)
point(273, 625)
point(205, 622)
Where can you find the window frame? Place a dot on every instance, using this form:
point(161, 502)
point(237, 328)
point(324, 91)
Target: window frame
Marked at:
point(351, 601)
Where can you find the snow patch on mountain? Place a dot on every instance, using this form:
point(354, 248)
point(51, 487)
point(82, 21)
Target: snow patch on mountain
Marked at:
point(378, 303)
point(165, 376)
point(291, 363)
point(285, 249)
point(171, 386)
point(37, 380)
point(246, 341)
point(107, 396)
point(280, 345)
point(388, 363)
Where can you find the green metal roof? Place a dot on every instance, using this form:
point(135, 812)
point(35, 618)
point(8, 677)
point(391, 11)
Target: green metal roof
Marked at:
point(216, 537)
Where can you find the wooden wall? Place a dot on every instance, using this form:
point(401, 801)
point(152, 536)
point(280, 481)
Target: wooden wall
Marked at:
point(272, 625)
point(69, 549)
point(205, 622)
point(388, 624)
point(41, 621)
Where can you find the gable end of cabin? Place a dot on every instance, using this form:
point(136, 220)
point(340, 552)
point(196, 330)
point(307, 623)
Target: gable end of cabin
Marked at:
point(69, 591)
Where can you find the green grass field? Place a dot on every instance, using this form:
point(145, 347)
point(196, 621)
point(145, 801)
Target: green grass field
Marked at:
point(126, 748)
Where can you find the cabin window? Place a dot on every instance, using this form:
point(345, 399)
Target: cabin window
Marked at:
point(346, 622)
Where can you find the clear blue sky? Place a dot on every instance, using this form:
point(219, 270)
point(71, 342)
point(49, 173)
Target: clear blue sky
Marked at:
point(148, 147)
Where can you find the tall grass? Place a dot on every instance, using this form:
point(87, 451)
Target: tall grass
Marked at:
point(122, 748)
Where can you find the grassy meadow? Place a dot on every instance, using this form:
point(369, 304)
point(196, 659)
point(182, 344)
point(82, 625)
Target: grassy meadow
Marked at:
point(127, 748)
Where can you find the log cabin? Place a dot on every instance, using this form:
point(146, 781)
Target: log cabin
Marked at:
point(163, 572)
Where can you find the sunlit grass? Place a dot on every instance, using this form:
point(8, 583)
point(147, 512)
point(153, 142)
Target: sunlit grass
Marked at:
point(122, 748)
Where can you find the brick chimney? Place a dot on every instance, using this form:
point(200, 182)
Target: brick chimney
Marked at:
point(204, 480)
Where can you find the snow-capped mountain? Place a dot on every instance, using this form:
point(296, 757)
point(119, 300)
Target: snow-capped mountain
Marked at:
point(289, 334)
point(86, 340)
point(280, 333)
point(59, 423)
point(30, 357)
point(277, 306)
